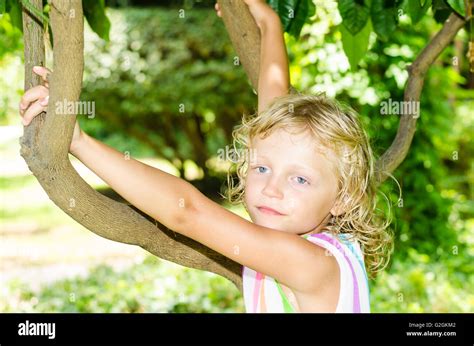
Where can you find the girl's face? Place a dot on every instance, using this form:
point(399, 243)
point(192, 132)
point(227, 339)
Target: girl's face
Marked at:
point(290, 176)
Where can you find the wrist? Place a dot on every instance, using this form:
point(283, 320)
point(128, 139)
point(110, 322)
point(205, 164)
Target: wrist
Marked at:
point(269, 22)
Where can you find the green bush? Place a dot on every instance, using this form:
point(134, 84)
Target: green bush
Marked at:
point(152, 286)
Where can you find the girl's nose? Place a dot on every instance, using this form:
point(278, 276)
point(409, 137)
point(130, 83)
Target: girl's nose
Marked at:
point(272, 189)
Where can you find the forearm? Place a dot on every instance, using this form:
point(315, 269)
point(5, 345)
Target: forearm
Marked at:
point(156, 193)
point(274, 76)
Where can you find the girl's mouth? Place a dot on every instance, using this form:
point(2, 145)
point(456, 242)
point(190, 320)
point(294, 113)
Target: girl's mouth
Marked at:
point(269, 211)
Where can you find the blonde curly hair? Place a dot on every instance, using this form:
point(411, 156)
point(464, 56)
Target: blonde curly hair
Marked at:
point(336, 127)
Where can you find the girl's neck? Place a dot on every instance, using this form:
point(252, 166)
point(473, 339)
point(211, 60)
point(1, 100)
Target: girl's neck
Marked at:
point(320, 227)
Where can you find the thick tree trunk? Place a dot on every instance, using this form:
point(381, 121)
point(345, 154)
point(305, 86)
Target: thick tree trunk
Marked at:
point(45, 142)
point(45, 145)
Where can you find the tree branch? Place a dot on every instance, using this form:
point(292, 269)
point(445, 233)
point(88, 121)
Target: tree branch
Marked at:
point(45, 145)
point(244, 34)
point(45, 148)
point(398, 150)
point(245, 38)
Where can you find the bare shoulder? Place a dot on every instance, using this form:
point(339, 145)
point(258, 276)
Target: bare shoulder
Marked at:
point(292, 260)
point(321, 296)
point(320, 271)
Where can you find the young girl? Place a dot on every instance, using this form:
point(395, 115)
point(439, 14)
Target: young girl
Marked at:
point(308, 187)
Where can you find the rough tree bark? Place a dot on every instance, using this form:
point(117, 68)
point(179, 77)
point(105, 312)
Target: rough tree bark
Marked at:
point(45, 145)
point(46, 141)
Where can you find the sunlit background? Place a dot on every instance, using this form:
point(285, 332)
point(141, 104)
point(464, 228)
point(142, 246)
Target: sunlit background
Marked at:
point(153, 63)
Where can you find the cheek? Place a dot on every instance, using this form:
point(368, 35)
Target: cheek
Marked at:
point(251, 187)
point(301, 203)
point(309, 206)
point(249, 192)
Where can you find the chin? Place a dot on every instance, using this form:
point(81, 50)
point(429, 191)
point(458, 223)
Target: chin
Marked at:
point(269, 224)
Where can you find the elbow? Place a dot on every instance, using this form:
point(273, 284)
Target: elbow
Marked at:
point(186, 212)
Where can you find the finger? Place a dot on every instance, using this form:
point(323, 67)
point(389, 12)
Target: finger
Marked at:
point(35, 109)
point(32, 95)
point(43, 72)
point(44, 101)
point(218, 9)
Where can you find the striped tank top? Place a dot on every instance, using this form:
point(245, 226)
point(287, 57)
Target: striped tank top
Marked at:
point(263, 293)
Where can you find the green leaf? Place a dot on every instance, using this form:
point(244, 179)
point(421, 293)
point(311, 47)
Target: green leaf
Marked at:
point(354, 15)
point(94, 11)
point(37, 13)
point(440, 5)
point(293, 14)
point(51, 38)
point(415, 9)
point(383, 15)
point(13, 8)
point(355, 46)
point(441, 15)
point(2, 6)
point(303, 12)
point(458, 6)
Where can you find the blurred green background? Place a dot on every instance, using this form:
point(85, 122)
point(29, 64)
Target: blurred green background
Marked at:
point(140, 80)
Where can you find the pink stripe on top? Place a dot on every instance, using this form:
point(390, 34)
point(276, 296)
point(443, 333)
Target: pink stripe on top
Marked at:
point(354, 278)
point(256, 290)
point(262, 293)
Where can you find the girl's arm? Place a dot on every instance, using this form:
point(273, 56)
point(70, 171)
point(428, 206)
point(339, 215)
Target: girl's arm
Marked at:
point(153, 191)
point(288, 258)
point(147, 188)
point(274, 76)
point(292, 260)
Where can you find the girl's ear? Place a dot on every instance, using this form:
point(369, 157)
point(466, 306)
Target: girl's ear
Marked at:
point(337, 210)
point(339, 206)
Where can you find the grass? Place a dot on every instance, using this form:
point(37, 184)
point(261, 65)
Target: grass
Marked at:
point(15, 183)
point(153, 285)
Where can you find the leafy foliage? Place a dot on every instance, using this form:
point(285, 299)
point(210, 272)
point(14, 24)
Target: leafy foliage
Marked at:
point(293, 13)
point(13, 8)
point(385, 17)
point(355, 15)
point(152, 65)
point(356, 46)
point(415, 10)
point(150, 286)
point(176, 84)
point(434, 220)
point(94, 11)
point(458, 6)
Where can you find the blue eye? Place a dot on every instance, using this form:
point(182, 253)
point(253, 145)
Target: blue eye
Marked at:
point(301, 180)
point(258, 169)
